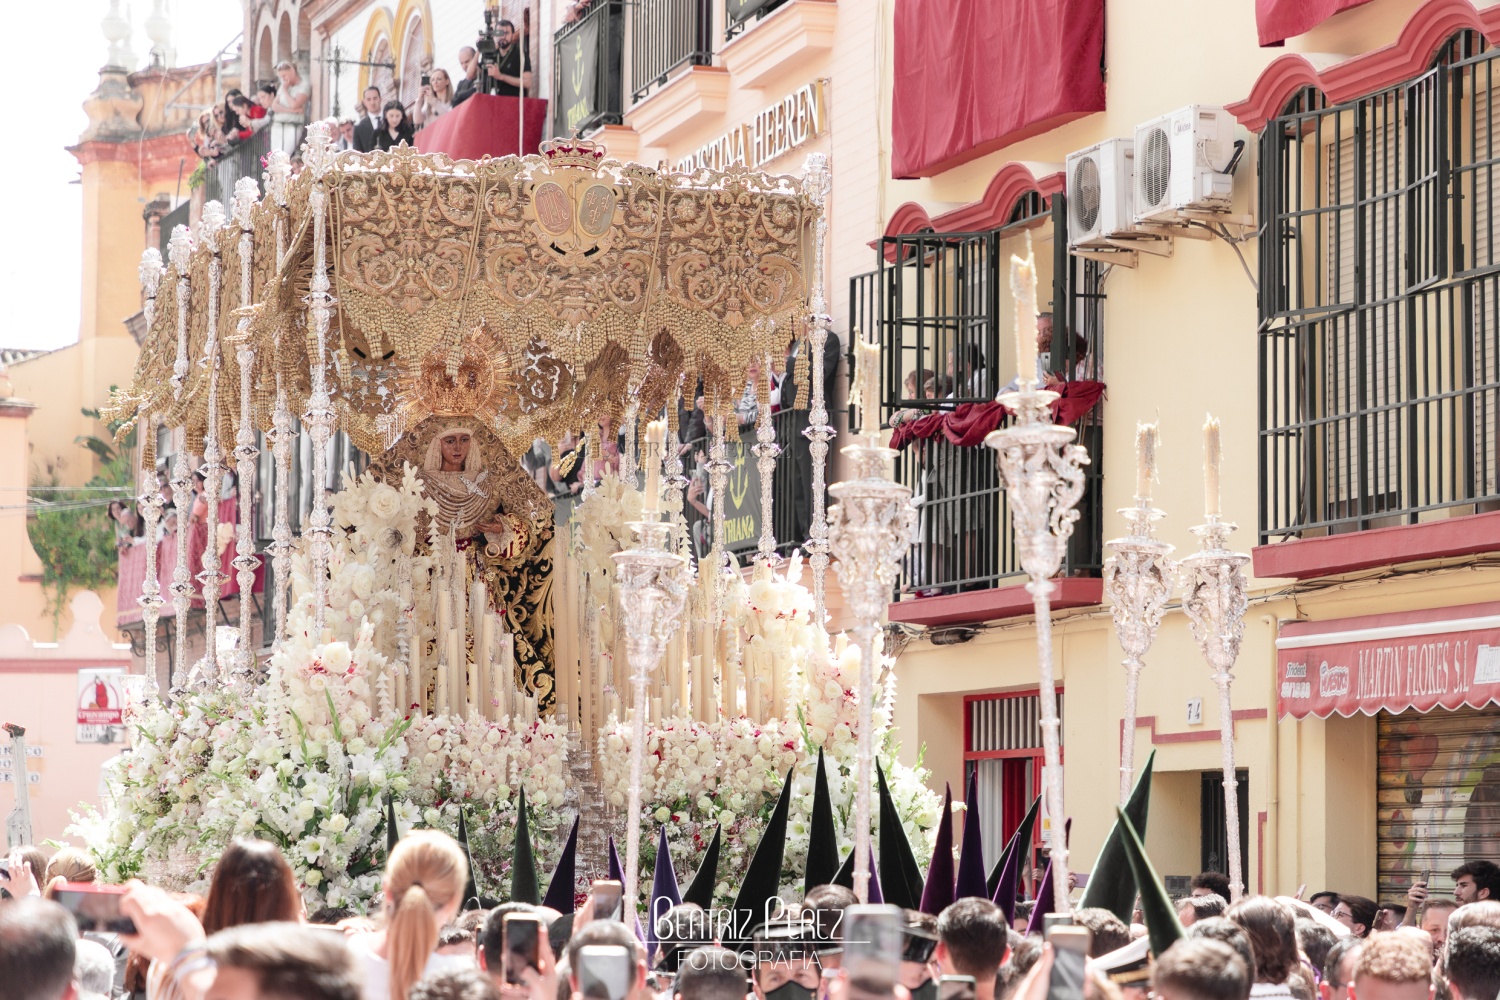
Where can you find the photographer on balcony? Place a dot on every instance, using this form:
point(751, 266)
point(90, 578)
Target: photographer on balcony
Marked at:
point(509, 65)
point(434, 99)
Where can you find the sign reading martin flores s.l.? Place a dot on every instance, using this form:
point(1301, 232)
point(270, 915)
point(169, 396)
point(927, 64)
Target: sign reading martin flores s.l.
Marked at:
point(1421, 660)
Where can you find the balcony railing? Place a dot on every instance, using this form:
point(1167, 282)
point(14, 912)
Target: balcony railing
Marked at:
point(244, 160)
point(791, 490)
point(739, 13)
point(588, 69)
point(940, 301)
point(664, 36)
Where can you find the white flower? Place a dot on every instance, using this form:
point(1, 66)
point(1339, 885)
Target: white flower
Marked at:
point(311, 848)
point(384, 503)
point(337, 823)
point(432, 817)
point(662, 814)
point(313, 878)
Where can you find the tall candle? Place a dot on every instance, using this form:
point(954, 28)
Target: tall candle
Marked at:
point(1145, 458)
point(778, 687)
point(695, 680)
point(656, 433)
point(484, 665)
point(416, 694)
point(1023, 290)
point(867, 383)
point(1211, 455)
point(440, 694)
point(507, 670)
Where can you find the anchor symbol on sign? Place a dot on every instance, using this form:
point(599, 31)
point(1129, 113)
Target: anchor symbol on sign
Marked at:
point(739, 477)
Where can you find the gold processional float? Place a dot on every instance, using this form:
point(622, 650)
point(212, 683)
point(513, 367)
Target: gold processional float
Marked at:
point(419, 303)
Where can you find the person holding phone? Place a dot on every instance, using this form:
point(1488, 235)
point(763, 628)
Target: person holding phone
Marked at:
point(434, 99)
point(786, 963)
point(422, 890)
point(710, 973)
point(919, 973)
point(972, 942)
point(595, 974)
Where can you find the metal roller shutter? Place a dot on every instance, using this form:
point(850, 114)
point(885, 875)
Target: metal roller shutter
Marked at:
point(1439, 795)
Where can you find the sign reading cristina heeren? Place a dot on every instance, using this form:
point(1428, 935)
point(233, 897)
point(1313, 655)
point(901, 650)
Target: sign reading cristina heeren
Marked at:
point(773, 131)
point(1421, 660)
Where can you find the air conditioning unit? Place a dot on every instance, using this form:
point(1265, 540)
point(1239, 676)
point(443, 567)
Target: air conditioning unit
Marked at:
point(1179, 163)
point(1100, 180)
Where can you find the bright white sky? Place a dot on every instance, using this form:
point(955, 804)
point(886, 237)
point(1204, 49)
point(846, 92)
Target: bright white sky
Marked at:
point(52, 51)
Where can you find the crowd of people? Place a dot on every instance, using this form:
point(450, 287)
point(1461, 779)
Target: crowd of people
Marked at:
point(281, 106)
point(130, 527)
point(250, 938)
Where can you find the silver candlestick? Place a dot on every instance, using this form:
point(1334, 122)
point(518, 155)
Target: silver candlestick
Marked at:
point(245, 563)
point(149, 502)
point(1138, 577)
point(1214, 600)
point(870, 529)
point(1043, 474)
point(205, 673)
point(818, 431)
point(652, 586)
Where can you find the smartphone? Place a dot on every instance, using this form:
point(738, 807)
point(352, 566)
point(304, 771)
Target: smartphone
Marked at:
point(426, 79)
point(95, 907)
point(1427, 876)
point(955, 988)
point(605, 971)
point(521, 934)
point(872, 950)
point(1051, 920)
point(606, 893)
point(1070, 953)
point(1300, 890)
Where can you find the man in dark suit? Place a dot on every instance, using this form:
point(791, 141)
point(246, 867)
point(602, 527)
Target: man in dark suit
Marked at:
point(468, 60)
point(796, 396)
point(370, 121)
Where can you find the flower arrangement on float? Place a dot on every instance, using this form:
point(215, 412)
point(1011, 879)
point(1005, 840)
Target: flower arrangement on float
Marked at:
point(309, 761)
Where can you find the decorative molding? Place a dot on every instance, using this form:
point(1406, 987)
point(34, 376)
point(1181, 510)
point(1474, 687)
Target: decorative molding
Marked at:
point(910, 217)
point(170, 146)
point(1205, 735)
point(995, 604)
point(1410, 55)
point(1012, 182)
point(789, 35)
point(380, 23)
point(698, 95)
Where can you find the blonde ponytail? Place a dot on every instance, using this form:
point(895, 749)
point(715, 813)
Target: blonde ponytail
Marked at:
point(426, 873)
point(410, 939)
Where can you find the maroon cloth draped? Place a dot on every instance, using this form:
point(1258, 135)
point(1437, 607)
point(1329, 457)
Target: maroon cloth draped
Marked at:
point(967, 424)
point(1278, 20)
point(484, 125)
point(975, 75)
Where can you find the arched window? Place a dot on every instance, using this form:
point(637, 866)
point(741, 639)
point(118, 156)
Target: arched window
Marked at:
point(381, 76)
point(414, 59)
point(265, 58)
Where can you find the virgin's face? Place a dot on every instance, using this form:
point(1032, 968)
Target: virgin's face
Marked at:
point(455, 449)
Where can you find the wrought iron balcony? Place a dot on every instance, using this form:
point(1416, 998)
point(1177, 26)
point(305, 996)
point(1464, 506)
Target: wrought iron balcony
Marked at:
point(666, 35)
point(246, 159)
point(588, 67)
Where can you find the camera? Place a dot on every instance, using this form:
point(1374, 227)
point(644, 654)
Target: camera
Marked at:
point(426, 79)
point(490, 51)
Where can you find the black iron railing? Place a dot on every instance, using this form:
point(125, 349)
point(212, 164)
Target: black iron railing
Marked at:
point(245, 159)
point(791, 490)
point(666, 35)
point(739, 13)
point(940, 302)
point(588, 56)
point(1380, 303)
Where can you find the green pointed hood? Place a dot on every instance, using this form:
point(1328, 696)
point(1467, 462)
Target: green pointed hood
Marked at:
point(525, 887)
point(1112, 881)
point(702, 889)
point(1162, 925)
point(822, 837)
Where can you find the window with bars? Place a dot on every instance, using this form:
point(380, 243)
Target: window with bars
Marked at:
point(944, 311)
point(1379, 283)
point(1003, 749)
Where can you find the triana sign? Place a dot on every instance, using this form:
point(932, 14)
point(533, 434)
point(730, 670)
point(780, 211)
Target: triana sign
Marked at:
point(1442, 658)
point(774, 131)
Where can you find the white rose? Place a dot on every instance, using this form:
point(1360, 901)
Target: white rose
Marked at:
point(431, 817)
point(337, 823)
point(434, 743)
point(314, 877)
point(662, 814)
point(384, 503)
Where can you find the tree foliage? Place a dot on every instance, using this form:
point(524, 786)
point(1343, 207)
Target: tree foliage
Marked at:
point(71, 530)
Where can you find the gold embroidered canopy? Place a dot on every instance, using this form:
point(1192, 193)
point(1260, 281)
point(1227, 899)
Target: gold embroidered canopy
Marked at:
point(539, 294)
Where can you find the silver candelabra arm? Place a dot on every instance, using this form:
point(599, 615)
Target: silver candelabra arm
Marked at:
point(1139, 576)
point(1215, 599)
point(652, 587)
point(1042, 470)
point(870, 529)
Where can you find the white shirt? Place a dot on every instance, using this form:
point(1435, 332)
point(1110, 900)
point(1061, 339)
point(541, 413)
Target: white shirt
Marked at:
point(376, 971)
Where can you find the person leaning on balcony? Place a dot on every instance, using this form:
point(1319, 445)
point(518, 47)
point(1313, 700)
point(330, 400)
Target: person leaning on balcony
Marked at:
point(435, 98)
point(397, 130)
point(260, 106)
point(468, 61)
point(513, 70)
point(290, 107)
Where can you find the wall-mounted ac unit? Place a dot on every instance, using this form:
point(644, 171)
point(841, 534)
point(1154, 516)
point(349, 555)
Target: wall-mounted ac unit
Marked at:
point(1179, 163)
point(1099, 192)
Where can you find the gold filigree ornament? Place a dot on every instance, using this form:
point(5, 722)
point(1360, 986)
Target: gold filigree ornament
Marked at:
point(470, 379)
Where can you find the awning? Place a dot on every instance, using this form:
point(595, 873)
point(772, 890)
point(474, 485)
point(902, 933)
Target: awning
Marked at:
point(1441, 658)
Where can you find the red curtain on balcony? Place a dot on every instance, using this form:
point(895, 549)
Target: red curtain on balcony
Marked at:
point(975, 75)
point(485, 125)
point(967, 424)
point(1278, 20)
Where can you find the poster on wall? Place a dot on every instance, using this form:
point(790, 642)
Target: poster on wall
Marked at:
point(101, 705)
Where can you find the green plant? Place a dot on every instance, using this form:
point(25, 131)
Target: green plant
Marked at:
point(70, 528)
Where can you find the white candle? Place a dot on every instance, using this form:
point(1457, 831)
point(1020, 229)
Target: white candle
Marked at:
point(1023, 289)
point(1145, 458)
point(752, 698)
point(867, 383)
point(1211, 455)
point(507, 670)
point(484, 665)
point(440, 695)
point(695, 679)
point(778, 687)
point(456, 672)
point(655, 711)
point(656, 433)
